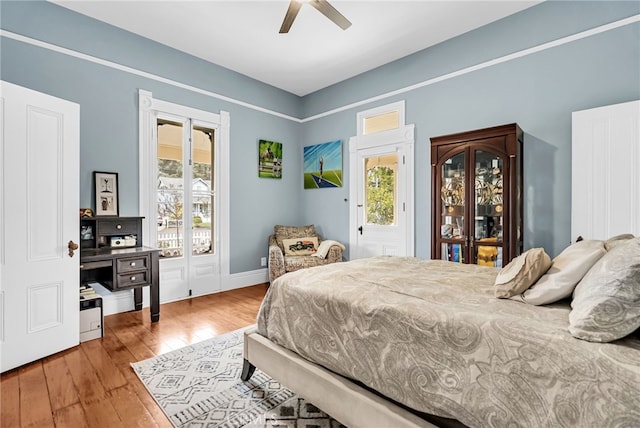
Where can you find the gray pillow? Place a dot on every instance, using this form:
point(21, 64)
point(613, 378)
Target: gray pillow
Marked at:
point(606, 302)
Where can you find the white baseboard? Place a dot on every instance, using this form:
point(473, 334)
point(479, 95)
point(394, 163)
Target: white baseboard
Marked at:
point(122, 301)
point(245, 279)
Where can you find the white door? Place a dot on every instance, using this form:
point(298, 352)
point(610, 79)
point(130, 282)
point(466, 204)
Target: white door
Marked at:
point(382, 195)
point(605, 184)
point(39, 204)
point(184, 194)
point(186, 207)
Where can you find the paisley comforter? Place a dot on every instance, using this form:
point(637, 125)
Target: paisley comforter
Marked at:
point(430, 335)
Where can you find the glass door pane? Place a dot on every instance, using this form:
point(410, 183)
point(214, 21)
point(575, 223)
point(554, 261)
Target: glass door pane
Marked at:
point(202, 194)
point(380, 189)
point(452, 226)
point(488, 209)
point(170, 190)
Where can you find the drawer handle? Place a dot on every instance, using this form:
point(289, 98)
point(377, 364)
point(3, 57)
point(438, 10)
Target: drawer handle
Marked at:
point(132, 264)
point(118, 226)
point(133, 278)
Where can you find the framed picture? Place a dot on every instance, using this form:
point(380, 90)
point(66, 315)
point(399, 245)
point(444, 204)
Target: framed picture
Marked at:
point(86, 232)
point(106, 184)
point(269, 159)
point(323, 165)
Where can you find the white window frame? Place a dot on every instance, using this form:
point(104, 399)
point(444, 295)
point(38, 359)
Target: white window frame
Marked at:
point(398, 106)
point(149, 108)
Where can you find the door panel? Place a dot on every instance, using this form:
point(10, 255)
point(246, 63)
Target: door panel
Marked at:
point(186, 215)
point(453, 185)
point(605, 184)
point(40, 311)
point(381, 204)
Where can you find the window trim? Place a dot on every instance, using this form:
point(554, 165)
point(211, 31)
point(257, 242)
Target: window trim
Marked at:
point(149, 109)
point(398, 106)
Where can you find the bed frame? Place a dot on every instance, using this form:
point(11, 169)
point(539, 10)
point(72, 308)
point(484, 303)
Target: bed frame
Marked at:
point(346, 401)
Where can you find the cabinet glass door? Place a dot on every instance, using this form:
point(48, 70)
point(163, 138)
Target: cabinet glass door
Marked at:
point(452, 225)
point(488, 209)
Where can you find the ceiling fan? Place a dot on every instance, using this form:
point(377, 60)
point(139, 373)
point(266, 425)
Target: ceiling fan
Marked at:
point(322, 5)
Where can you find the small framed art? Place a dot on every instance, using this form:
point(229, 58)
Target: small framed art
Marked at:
point(106, 184)
point(269, 159)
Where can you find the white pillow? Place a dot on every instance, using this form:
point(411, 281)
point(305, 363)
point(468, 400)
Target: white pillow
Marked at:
point(521, 272)
point(614, 241)
point(606, 303)
point(567, 269)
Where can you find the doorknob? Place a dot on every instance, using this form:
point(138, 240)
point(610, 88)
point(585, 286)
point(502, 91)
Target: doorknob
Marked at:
point(72, 247)
point(360, 230)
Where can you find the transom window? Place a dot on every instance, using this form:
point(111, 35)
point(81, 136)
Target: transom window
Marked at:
point(380, 119)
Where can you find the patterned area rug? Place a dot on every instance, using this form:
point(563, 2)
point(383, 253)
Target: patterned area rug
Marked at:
point(200, 386)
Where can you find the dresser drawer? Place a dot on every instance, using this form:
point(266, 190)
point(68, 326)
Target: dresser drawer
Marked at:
point(119, 227)
point(124, 280)
point(132, 264)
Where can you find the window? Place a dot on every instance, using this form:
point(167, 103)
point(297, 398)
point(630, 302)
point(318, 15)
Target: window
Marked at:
point(380, 189)
point(380, 119)
point(184, 194)
point(173, 189)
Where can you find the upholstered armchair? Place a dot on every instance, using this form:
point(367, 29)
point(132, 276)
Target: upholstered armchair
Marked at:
point(290, 249)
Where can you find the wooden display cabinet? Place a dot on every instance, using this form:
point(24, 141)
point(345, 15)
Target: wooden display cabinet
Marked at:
point(477, 196)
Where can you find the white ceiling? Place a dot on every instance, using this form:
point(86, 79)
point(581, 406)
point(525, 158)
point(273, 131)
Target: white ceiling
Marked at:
point(243, 35)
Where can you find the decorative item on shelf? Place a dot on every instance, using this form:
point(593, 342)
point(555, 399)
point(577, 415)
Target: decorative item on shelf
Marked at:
point(454, 210)
point(86, 213)
point(86, 232)
point(106, 193)
point(453, 192)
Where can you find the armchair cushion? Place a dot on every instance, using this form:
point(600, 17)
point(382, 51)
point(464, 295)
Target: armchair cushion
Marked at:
point(288, 232)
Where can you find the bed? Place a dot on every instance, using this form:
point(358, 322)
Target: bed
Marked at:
point(392, 341)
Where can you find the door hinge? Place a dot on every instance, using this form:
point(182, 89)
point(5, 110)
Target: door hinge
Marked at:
point(403, 160)
point(404, 207)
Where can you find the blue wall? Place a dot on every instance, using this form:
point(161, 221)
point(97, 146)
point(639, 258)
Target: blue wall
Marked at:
point(538, 91)
point(109, 112)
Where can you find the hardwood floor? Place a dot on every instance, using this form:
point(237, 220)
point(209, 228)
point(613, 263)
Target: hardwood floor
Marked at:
point(93, 385)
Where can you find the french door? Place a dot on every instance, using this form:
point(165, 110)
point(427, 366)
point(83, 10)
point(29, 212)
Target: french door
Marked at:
point(185, 205)
point(181, 196)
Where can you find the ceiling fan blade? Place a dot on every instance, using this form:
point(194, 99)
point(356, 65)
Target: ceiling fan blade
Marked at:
point(331, 12)
point(292, 12)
